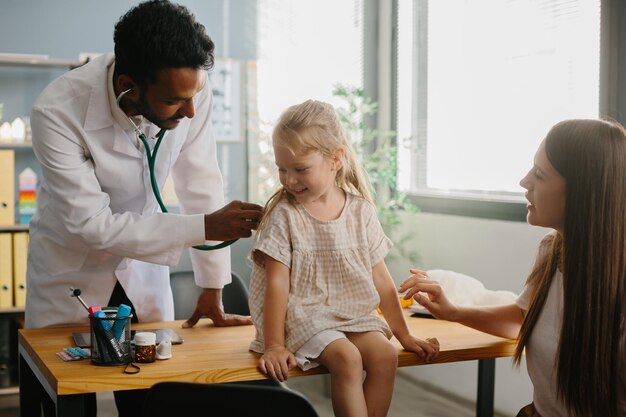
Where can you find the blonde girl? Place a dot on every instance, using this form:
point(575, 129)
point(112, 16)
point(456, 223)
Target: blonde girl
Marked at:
point(319, 272)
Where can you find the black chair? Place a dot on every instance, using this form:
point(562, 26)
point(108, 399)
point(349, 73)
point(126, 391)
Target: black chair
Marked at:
point(235, 296)
point(186, 292)
point(167, 399)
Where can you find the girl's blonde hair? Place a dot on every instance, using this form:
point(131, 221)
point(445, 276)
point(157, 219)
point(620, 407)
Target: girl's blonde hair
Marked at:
point(314, 126)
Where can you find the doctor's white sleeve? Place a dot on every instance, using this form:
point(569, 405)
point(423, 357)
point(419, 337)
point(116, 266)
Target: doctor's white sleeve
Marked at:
point(199, 187)
point(80, 209)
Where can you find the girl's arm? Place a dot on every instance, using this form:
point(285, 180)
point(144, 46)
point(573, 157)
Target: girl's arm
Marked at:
point(277, 360)
point(392, 311)
point(503, 321)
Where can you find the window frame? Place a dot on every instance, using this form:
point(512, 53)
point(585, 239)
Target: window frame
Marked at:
point(504, 206)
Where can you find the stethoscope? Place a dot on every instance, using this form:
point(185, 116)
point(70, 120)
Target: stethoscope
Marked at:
point(151, 156)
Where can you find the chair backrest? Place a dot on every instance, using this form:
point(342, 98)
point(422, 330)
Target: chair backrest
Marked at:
point(167, 399)
point(186, 292)
point(235, 296)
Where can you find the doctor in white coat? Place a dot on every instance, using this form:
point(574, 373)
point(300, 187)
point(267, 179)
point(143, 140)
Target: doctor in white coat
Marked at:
point(98, 223)
point(99, 226)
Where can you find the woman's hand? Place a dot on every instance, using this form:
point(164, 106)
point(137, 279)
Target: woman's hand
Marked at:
point(435, 299)
point(499, 320)
point(276, 362)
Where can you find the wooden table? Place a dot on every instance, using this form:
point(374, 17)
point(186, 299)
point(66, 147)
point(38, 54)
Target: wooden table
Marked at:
point(217, 354)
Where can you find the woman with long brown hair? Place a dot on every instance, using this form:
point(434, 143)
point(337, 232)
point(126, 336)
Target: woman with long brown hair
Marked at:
point(570, 317)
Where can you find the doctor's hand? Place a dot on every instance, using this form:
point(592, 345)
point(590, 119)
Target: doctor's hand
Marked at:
point(429, 294)
point(234, 220)
point(210, 305)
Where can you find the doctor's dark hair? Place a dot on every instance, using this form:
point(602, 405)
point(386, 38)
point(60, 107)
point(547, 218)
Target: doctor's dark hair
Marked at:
point(159, 34)
point(591, 254)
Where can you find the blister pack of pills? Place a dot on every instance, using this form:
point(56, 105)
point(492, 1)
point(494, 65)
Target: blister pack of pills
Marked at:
point(74, 354)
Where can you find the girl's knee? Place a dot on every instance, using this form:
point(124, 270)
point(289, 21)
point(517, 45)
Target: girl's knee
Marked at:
point(383, 359)
point(390, 353)
point(342, 355)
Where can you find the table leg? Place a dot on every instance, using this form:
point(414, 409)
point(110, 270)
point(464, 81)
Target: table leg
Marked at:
point(32, 396)
point(30, 405)
point(486, 386)
point(71, 405)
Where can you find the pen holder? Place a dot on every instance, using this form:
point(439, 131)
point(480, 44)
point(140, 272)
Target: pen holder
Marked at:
point(110, 338)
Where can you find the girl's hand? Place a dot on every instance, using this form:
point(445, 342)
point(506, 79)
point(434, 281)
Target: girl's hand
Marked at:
point(436, 302)
point(276, 362)
point(426, 349)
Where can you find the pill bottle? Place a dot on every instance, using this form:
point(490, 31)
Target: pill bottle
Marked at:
point(145, 347)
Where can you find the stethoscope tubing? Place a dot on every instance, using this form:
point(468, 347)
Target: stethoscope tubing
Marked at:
point(151, 156)
point(155, 186)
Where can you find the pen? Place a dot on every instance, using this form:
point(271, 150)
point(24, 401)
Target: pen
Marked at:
point(103, 323)
point(123, 311)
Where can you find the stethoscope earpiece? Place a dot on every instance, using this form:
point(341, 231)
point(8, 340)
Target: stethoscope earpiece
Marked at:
point(117, 100)
point(138, 131)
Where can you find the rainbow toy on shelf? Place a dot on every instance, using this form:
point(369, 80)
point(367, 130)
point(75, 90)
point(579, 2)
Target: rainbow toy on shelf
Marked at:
point(27, 195)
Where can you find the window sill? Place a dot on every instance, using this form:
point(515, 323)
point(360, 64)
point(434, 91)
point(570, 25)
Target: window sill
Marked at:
point(484, 205)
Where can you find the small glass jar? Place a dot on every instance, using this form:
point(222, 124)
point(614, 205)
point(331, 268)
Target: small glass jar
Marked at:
point(145, 347)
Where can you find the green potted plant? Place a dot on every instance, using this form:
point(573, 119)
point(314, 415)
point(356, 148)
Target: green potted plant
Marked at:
point(377, 151)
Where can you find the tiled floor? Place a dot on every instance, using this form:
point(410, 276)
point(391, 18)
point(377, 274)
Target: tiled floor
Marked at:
point(410, 399)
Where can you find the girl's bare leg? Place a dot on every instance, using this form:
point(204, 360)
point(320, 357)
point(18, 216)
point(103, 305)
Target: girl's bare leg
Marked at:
point(380, 361)
point(343, 361)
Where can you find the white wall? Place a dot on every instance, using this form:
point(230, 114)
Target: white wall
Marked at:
point(498, 253)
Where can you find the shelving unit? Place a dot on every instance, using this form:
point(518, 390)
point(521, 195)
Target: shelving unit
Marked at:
point(16, 146)
point(13, 228)
point(12, 318)
point(10, 390)
point(19, 60)
point(10, 310)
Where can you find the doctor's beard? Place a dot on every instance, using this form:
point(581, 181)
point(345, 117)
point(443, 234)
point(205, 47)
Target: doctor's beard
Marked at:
point(142, 107)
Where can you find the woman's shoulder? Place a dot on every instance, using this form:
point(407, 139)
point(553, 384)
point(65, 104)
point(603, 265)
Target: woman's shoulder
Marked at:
point(549, 237)
point(546, 243)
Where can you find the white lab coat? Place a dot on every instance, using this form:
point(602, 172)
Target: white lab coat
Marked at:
point(98, 219)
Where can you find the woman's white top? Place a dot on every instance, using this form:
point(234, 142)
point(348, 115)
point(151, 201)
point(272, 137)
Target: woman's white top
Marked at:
point(542, 348)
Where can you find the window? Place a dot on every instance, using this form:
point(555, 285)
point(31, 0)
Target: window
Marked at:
point(480, 83)
point(305, 49)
